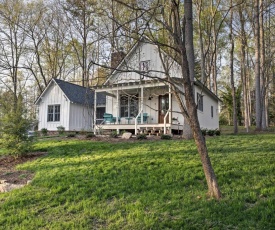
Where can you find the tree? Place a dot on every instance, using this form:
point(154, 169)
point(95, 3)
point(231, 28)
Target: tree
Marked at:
point(178, 28)
point(81, 21)
point(14, 125)
point(233, 92)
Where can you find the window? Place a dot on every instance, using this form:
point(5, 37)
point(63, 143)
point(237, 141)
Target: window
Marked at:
point(144, 66)
point(53, 112)
point(200, 101)
point(99, 114)
point(128, 105)
point(212, 111)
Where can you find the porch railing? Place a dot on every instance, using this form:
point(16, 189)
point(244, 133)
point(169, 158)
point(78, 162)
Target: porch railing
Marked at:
point(136, 121)
point(168, 111)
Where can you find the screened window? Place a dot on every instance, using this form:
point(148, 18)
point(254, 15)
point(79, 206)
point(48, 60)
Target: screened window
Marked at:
point(128, 105)
point(200, 101)
point(53, 112)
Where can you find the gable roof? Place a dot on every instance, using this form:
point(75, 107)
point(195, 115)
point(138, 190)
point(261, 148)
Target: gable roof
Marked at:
point(76, 93)
point(135, 46)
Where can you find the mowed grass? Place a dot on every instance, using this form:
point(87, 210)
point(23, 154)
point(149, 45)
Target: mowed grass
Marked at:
point(145, 185)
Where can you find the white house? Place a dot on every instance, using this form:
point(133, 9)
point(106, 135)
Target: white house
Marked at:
point(140, 100)
point(68, 105)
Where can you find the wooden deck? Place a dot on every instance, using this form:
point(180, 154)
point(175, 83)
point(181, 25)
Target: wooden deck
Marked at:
point(142, 128)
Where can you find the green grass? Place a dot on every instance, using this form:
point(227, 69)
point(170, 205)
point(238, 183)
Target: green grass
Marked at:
point(145, 185)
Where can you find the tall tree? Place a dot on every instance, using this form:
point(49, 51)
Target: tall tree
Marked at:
point(257, 66)
point(81, 17)
point(233, 92)
point(179, 27)
point(13, 18)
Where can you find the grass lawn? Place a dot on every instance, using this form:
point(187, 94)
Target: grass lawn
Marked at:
point(145, 185)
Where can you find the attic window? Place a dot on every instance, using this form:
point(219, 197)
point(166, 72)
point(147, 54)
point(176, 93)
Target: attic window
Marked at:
point(53, 112)
point(144, 66)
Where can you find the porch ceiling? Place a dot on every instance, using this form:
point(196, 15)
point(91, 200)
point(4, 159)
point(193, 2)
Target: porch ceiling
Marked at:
point(130, 85)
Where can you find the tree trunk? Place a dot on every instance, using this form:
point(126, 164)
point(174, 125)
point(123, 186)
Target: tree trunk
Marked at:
point(244, 70)
point(213, 188)
point(262, 64)
point(257, 68)
point(233, 92)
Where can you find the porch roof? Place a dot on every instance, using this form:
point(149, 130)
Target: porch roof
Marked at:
point(130, 85)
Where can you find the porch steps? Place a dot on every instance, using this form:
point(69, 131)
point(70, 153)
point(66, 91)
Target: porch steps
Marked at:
point(153, 131)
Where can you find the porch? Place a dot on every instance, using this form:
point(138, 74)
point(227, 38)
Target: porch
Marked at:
point(139, 107)
point(149, 129)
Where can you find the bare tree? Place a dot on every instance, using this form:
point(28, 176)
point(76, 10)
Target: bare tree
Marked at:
point(13, 19)
point(178, 28)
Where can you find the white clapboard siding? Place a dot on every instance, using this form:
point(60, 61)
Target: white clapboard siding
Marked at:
point(149, 52)
point(81, 117)
point(53, 96)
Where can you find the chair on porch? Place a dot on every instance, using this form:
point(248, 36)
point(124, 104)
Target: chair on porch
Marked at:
point(109, 118)
point(145, 118)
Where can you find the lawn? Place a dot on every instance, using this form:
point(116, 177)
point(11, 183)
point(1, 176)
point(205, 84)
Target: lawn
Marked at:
point(145, 185)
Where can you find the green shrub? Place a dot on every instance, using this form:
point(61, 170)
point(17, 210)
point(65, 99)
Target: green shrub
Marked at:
point(211, 132)
point(14, 127)
point(60, 129)
point(113, 134)
point(44, 131)
point(90, 135)
point(204, 132)
point(166, 137)
point(141, 136)
point(217, 132)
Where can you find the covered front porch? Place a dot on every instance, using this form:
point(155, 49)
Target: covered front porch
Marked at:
point(139, 107)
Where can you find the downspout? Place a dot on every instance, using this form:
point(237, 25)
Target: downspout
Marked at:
point(94, 125)
point(141, 105)
point(170, 105)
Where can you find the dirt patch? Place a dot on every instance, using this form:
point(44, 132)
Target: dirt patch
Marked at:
point(10, 174)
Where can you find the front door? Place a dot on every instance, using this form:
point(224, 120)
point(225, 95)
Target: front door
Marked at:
point(163, 108)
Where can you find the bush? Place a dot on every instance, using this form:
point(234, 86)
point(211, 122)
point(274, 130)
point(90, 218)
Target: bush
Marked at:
point(113, 134)
point(60, 129)
point(204, 132)
point(44, 131)
point(141, 136)
point(165, 137)
point(217, 132)
point(14, 127)
point(71, 135)
point(90, 135)
point(211, 132)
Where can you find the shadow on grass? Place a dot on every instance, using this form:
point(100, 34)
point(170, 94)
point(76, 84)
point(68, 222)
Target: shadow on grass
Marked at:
point(143, 186)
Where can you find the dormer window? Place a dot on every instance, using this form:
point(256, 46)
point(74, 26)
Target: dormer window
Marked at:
point(144, 66)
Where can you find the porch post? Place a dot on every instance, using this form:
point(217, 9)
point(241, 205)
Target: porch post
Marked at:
point(170, 106)
point(141, 105)
point(94, 125)
point(117, 108)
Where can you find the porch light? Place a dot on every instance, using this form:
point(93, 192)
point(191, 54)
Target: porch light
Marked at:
point(150, 98)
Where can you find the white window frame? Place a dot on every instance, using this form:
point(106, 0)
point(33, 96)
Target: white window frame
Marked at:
point(55, 112)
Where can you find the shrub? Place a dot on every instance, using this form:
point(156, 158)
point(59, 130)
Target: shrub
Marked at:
point(44, 131)
point(60, 129)
point(14, 127)
point(90, 135)
point(113, 134)
point(141, 136)
point(211, 132)
point(204, 132)
point(71, 135)
point(217, 132)
point(166, 137)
